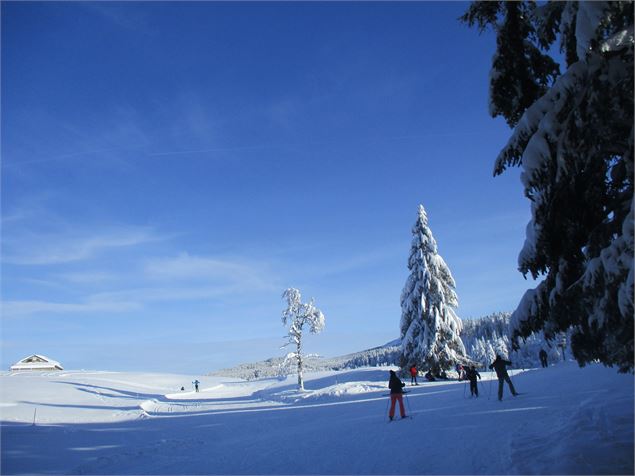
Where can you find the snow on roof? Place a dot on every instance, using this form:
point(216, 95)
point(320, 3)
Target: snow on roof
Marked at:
point(37, 362)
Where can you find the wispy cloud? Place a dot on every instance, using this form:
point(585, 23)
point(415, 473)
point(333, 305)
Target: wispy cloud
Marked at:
point(13, 309)
point(88, 277)
point(223, 272)
point(119, 301)
point(68, 247)
point(103, 152)
point(213, 149)
point(124, 16)
point(148, 295)
point(359, 261)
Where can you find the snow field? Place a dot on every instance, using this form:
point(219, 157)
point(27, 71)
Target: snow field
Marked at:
point(566, 421)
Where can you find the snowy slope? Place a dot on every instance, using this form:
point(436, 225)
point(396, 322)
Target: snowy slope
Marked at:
point(567, 421)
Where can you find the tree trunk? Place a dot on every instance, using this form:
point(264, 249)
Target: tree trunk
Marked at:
point(299, 355)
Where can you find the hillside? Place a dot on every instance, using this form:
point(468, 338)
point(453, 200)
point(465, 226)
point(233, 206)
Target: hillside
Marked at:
point(387, 354)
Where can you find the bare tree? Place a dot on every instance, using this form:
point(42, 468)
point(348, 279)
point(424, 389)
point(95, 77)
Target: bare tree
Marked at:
point(299, 314)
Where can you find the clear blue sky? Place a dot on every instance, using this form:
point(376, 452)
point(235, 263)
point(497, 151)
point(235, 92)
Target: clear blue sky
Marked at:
point(169, 169)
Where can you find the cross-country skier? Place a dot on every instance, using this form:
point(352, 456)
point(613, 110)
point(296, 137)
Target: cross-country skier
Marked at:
point(413, 375)
point(396, 395)
point(543, 357)
point(471, 375)
point(459, 371)
point(499, 365)
point(196, 382)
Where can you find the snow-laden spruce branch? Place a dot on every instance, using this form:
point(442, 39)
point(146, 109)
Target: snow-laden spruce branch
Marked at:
point(298, 315)
point(573, 140)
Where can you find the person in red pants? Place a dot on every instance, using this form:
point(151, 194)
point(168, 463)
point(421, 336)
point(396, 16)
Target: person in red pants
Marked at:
point(396, 395)
point(413, 375)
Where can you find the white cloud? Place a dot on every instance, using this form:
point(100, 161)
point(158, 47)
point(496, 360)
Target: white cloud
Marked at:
point(12, 309)
point(68, 247)
point(179, 278)
point(149, 295)
point(88, 277)
point(221, 272)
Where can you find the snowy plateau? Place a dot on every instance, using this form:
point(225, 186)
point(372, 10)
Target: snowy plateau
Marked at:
point(566, 420)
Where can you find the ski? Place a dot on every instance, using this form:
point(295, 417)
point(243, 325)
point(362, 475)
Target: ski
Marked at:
point(407, 417)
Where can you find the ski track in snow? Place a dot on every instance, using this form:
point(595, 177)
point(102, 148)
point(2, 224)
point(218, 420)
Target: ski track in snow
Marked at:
point(567, 421)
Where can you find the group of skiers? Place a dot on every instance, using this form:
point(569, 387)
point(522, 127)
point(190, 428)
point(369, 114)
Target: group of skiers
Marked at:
point(195, 383)
point(468, 373)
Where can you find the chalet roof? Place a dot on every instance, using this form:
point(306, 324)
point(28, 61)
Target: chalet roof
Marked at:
point(35, 362)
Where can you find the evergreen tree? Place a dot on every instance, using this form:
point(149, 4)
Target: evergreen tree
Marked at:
point(478, 353)
point(429, 327)
point(490, 335)
point(299, 314)
point(573, 139)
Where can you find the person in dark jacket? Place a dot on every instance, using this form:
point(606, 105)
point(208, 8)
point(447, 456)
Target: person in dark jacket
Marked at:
point(500, 366)
point(413, 375)
point(396, 395)
point(471, 374)
point(543, 357)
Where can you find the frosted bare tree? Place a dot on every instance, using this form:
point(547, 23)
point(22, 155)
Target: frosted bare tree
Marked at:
point(297, 315)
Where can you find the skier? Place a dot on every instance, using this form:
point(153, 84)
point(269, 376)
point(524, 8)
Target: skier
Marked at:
point(429, 376)
point(459, 370)
point(471, 375)
point(499, 365)
point(196, 382)
point(413, 375)
point(543, 357)
point(396, 395)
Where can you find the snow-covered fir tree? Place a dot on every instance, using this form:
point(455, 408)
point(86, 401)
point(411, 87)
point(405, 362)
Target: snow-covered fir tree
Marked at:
point(490, 335)
point(429, 326)
point(573, 139)
point(297, 315)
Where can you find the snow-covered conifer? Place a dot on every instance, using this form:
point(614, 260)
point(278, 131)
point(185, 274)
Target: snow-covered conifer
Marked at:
point(573, 139)
point(429, 326)
point(297, 315)
point(490, 335)
point(500, 347)
point(478, 352)
point(490, 353)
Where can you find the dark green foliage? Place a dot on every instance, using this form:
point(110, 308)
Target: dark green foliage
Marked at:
point(573, 139)
point(521, 73)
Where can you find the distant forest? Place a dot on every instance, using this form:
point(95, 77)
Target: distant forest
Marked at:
point(487, 336)
point(483, 339)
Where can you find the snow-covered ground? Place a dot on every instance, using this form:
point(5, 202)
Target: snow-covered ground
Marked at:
point(567, 420)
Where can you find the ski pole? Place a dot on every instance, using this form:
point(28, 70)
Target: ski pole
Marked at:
point(490, 389)
point(408, 405)
point(387, 403)
point(513, 386)
point(464, 387)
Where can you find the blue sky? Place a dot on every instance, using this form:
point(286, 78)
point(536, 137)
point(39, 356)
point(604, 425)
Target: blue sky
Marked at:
point(169, 169)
